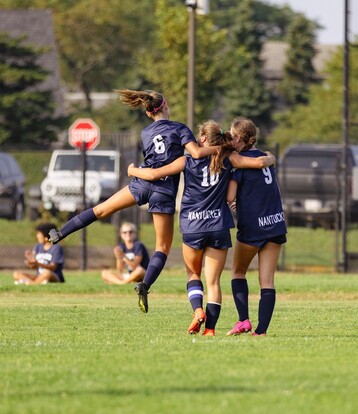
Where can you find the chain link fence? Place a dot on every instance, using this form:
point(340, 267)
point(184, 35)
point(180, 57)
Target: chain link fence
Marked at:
point(307, 248)
point(16, 194)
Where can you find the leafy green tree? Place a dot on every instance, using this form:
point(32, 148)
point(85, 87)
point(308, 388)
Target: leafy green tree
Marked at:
point(164, 65)
point(246, 92)
point(26, 112)
point(321, 119)
point(299, 72)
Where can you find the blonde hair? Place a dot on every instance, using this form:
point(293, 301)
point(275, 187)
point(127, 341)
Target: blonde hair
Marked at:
point(216, 136)
point(151, 101)
point(132, 226)
point(247, 131)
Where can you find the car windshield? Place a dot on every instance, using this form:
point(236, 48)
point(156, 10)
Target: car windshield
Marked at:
point(313, 160)
point(73, 162)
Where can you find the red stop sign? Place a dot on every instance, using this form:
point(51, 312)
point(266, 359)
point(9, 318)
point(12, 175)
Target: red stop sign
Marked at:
point(84, 130)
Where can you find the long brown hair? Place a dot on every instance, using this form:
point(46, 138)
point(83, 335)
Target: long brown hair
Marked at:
point(216, 136)
point(151, 101)
point(246, 129)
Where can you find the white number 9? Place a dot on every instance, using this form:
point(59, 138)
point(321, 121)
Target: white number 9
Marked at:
point(268, 176)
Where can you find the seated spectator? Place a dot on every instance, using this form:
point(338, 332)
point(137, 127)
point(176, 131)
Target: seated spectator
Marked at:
point(46, 260)
point(132, 258)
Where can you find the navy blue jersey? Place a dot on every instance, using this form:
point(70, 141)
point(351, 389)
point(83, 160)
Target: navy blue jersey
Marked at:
point(54, 254)
point(258, 202)
point(163, 142)
point(203, 206)
point(138, 249)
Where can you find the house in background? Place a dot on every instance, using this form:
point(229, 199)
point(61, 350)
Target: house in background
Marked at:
point(37, 27)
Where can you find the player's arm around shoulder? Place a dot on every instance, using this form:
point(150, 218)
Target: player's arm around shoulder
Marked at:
point(240, 161)
point(152, 174)
point(200, 152)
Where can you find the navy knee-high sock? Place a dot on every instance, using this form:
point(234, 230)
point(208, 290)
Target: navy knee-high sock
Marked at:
point(156, 265)
point(212, 314)
point(195, 291)
point(240, 292)
point(78, 222)
point(266, 307)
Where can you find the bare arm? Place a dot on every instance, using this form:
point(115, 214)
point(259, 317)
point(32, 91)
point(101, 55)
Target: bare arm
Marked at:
point(231, 191)
point(50, 266)
point(133, 264)
point(199, 152)
point(152, 174)
point(239, 161)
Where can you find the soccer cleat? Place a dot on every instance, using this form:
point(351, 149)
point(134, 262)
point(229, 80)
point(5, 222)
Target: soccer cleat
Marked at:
point(54, 236)
point(208, 332)
point(240, 327)
point(142, 290)
point(20, 282)
point(256, 334)
point(199, 318)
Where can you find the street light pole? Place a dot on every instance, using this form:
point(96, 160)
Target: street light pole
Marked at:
point(345, 137)
point(191, 62)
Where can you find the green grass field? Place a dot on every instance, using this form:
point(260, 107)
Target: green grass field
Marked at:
point(84, 347)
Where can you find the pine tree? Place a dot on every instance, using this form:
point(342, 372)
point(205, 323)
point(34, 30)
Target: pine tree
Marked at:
point(299, 72)
point(26, 111)
point(247, 94)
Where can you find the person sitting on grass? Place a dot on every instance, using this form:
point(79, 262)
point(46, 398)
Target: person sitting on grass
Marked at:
point(132, 258)
point(45, 259)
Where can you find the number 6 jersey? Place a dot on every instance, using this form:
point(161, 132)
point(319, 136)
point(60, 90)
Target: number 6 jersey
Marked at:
point(258, 202)
point(163, 142)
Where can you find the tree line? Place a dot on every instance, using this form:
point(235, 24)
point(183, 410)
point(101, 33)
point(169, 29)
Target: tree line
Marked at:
point(143, 45)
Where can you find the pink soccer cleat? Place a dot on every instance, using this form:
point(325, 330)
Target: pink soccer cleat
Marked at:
point(240, 327)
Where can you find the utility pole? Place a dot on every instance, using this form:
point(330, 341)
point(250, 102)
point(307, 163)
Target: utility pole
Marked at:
point(191, 62)
point(345, 137)
point(194, 7)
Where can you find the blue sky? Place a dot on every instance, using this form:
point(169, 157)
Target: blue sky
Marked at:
point(328, 13)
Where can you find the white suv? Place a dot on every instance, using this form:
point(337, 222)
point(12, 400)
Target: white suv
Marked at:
point(61, 190)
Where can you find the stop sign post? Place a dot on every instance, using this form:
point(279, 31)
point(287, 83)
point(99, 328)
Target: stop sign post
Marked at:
point(84, 133)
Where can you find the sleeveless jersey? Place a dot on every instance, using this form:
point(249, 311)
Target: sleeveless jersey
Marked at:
point(203, 206)
point(258, 202)
point(163, 142)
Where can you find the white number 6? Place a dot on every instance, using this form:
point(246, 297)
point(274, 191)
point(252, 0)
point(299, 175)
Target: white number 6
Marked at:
point(159, 145)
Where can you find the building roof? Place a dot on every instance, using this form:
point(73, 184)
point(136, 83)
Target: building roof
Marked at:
point(274, 57)
point(37, 26)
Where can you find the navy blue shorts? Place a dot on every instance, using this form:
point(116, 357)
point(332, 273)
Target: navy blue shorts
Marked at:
point(281, 239)
point(215, 239)
point(158, 202)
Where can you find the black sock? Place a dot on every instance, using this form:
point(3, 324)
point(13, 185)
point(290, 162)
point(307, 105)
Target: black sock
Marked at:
point(266, 307)
point(78, 222)
point(212, 314)
point(195, 291)
point(240, 292)
point(155, 266)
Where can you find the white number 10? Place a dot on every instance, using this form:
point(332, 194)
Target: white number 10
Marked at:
point(213, 178)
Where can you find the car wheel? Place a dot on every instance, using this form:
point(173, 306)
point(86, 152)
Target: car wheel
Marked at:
point(19, 211)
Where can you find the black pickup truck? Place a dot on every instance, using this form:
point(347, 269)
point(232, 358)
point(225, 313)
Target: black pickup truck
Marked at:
point(310, 180)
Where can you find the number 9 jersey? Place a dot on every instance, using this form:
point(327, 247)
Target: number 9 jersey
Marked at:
point(258, 202)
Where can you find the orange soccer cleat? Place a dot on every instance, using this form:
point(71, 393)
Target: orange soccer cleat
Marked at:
point(199, 318)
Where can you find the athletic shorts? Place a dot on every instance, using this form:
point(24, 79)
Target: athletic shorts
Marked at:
point(158, 202)
point(281, 239)
point(215, 239)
